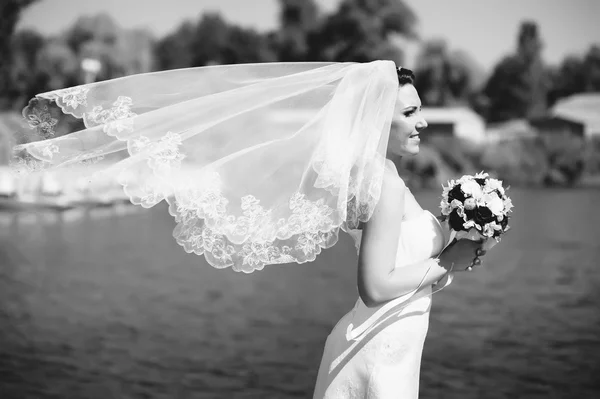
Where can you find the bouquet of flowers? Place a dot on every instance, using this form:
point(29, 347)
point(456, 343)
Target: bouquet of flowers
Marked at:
point(476, 208)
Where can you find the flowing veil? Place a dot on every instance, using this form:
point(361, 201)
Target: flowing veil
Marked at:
point(259, 163)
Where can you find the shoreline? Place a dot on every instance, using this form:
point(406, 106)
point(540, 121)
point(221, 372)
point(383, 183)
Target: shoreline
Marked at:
point(60, 203)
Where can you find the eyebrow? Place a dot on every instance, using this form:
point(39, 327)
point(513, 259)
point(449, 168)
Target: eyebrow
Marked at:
point(410, 107)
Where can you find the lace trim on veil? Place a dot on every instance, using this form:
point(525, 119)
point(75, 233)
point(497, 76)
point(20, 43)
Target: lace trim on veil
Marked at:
point(206, 223)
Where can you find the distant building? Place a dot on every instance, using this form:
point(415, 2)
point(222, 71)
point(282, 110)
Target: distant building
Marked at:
point(8, 187)
point(460, 122)
point(580, 113)
point(514, 129)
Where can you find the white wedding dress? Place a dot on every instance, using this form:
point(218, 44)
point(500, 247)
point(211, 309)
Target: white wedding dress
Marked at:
point(375, 353)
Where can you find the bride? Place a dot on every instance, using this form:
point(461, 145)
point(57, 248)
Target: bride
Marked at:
point(397, 267)
point(263, 164)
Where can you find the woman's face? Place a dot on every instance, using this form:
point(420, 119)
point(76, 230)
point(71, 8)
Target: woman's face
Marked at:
point(408, 122)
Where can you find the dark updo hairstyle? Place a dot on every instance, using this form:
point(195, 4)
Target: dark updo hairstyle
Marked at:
point(405, 76)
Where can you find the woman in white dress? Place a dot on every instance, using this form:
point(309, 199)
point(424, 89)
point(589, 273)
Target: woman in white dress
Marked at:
point(263, 164)
point(375, 350)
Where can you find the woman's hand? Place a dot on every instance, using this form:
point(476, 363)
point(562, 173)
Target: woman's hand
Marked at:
point(462, 255)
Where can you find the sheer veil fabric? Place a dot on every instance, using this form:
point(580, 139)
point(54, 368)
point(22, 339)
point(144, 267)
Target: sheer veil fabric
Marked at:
point(259, 163)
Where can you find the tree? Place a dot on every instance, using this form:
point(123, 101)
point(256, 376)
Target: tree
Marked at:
point(57, 65)
point(212, 40)
point(297, 19)
point(210, 37)
point(121, 52)
point(99, 28)
point(10, 11)
point(41, 64)
point(576, 75)
point(445, 77)
point(518, 85)
point(246, 46)
point(215, 41)
point(591, 68)
point(172, 51)
point(361, 31)
point(25, 47)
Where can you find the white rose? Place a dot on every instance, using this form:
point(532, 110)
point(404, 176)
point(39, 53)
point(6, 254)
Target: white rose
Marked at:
point(463, 179)
point(472, 188)
point(493, 184)
point(494, 203)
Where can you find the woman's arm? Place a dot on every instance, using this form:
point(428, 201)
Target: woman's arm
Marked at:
point(378, 279)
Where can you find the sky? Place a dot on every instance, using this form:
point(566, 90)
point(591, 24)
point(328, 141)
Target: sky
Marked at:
point(486, 29)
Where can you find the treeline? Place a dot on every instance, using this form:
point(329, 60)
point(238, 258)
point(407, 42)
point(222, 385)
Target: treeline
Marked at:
point(521, 85)
point(33, 63)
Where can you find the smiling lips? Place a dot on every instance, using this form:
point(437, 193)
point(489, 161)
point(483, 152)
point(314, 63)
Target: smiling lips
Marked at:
point(412, 136)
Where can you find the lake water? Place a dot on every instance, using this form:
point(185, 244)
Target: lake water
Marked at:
point(106, 305)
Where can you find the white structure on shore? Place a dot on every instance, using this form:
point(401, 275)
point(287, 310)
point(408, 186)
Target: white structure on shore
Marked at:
point(583, 108)
point(56, 188)
point(8, 186)
point(459, 122)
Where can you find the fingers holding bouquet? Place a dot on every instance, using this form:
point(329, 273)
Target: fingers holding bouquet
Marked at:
point(461, 255)
point(476, 209)
point(477, 260)
point(479, 252)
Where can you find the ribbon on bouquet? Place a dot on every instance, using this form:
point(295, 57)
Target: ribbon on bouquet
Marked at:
point(473, 235)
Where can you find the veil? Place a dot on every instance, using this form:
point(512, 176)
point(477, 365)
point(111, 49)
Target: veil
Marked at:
point(259, 163)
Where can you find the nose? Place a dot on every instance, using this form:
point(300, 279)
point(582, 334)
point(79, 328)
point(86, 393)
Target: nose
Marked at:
point(421, 124)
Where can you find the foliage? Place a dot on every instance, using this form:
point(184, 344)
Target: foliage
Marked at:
point(121, 52)
point(546, 160)
point(444, 77)
point(211, 41)
point(10, 11)
point(40, 64)
point(26, 46)
point(520, 161)
point(576, 75)
point(361, 31)
point(518, 85)
point(522, 86)
point(297, 19)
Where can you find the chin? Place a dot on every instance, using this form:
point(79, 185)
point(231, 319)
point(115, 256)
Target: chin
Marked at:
point(415, 151)
point(410, 150)
point(404, 150)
